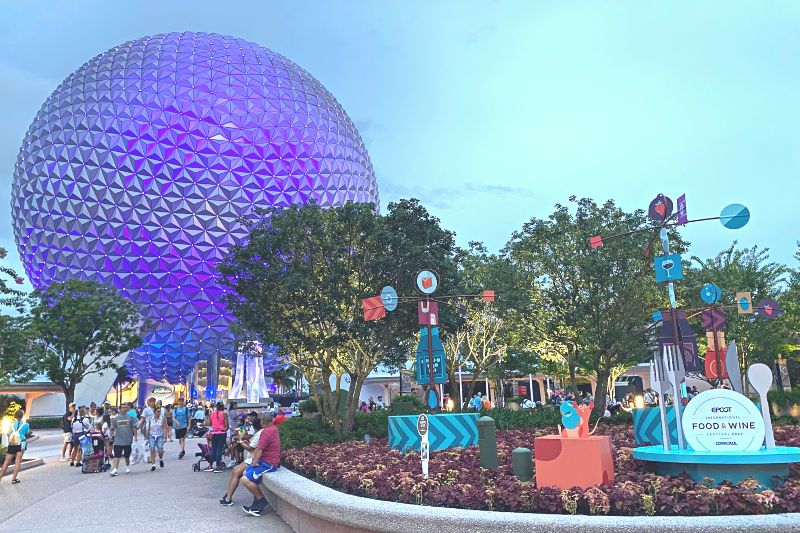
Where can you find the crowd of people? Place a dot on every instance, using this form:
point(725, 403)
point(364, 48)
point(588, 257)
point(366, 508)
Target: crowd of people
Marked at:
point(250, 440)
point(651, 397)
point(557, 397)
point(371, 405)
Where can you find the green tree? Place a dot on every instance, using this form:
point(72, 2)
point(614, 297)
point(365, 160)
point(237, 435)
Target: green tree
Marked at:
point(744, 270)
point(790, 303)
point(80, 327)
point(299, 280)
point(480, 333)
point(10, 296)
point(595, 303)
point(15, 349)
point(13, 327)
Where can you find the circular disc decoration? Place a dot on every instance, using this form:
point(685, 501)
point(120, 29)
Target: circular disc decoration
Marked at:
point(734, 216)
point(427, 283)
point(768, 309)
point(710, 293)
point(389, 298)
point(660, 208)
point(721, 420)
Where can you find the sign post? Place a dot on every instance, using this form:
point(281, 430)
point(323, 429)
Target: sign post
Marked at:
point(427, 283)
point(422, 429)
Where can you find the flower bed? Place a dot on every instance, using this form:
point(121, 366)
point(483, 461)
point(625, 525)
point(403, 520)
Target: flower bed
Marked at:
point(456, 480)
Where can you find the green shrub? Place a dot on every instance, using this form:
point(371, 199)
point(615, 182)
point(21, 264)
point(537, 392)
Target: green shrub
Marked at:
point(786, 420)
point(45, 422)
point(308, 406)
point(376, 424)
point(297, 432)
point(782, 397)
point(2, 453)
point(546, 417)
point(413, 399)
point(531, 418)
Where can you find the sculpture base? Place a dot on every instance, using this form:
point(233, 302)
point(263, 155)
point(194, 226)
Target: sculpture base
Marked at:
point(564, 463)
point(762, 465)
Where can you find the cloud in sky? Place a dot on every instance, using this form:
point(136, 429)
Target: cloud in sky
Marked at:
point(445, 196)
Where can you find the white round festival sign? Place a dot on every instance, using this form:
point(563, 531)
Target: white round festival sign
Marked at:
point(721, 420)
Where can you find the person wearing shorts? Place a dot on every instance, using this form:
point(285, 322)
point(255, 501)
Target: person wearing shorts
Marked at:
point(19, 431)
point(248, 442)
point(266, 458)
point(156, 430)
point(123, 429)
point(66, 428)
point(180, 416)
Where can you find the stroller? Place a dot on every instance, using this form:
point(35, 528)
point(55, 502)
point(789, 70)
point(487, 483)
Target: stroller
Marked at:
point(204, 456)
point(94, 453)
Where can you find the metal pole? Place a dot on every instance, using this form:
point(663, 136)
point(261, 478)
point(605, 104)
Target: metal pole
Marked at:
point(431, 384)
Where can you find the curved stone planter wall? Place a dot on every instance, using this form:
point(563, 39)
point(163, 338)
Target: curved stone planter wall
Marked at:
point(309, 507)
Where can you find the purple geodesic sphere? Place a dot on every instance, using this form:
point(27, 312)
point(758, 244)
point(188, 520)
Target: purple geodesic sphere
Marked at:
point(136, 169)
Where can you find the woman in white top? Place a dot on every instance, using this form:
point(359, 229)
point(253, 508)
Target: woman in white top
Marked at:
point(155, 429)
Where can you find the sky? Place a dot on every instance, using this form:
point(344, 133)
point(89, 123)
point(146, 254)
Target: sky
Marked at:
point(491, 112)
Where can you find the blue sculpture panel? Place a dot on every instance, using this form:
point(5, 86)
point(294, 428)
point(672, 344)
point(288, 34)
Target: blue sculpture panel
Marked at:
point(445, 431)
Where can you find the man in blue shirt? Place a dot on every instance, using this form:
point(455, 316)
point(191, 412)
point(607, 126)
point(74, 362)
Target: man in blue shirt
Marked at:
point(180, 417)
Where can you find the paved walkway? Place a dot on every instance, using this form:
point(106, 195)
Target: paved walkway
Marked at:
point(55, 497)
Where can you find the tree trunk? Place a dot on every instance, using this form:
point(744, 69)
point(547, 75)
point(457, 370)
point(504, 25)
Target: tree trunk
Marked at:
point(571, 364)
point(331, 405)
point(356, 382)
point(600, 391)
point(69, 394)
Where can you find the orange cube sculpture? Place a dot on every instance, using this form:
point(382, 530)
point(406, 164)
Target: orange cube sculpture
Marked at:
point(564, 463)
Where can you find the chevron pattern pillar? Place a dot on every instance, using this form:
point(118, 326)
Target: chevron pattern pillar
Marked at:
point(446, 431)
point(647, 426)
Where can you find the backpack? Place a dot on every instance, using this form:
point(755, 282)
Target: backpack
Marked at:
point(15, 439)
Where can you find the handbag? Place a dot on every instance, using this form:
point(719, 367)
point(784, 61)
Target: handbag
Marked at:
point(137, 454)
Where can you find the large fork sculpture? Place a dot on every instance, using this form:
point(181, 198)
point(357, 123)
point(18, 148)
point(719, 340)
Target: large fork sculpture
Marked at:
point(673, 360)
point(659, 382)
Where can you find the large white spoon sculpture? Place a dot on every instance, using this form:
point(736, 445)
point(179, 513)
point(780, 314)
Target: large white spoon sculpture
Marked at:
point(760, 377)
